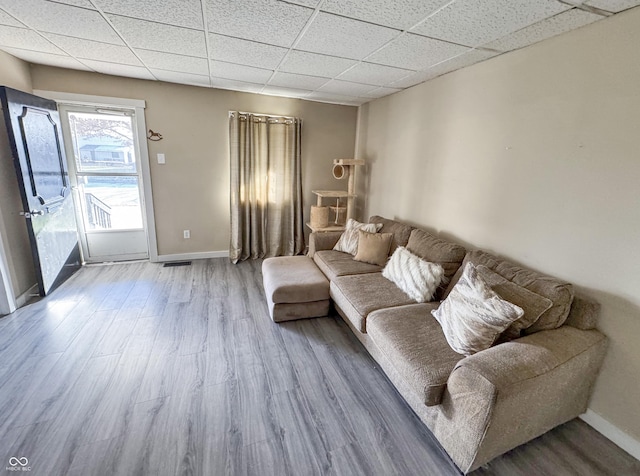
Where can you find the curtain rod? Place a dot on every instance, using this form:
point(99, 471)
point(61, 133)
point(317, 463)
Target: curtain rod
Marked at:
point(262, 115)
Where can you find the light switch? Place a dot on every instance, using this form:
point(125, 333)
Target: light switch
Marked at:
point(161, 159)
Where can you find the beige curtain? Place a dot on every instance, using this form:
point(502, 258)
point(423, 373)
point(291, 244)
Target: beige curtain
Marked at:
point(266, 186)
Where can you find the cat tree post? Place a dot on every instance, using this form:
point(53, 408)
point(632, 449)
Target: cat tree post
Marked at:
point(346, 168)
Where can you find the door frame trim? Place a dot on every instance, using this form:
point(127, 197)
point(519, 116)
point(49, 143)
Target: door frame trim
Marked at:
point(139, 105)
point(8, 302)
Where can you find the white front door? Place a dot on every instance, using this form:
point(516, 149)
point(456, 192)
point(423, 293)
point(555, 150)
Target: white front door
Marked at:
point(106, 176)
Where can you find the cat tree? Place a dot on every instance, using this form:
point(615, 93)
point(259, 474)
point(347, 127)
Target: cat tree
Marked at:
point(334, 216)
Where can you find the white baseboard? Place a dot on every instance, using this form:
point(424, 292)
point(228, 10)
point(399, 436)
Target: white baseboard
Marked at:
point(27, 295)
point(612, 432)
point(192, 256)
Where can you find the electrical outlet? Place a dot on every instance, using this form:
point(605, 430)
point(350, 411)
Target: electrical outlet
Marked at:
point(187, 234)
point(161, 159)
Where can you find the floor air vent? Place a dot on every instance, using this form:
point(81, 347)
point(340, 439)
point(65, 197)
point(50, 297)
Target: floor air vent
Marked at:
point(177, 263)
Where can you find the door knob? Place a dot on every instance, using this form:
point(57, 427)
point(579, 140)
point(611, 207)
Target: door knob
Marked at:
point(32, 213)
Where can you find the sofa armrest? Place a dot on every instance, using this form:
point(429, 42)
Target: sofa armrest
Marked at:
point(530, 356)
point(323, 241)
point(509, 394)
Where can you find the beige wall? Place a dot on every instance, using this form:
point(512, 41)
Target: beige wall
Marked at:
point(15, 74)
point(534, 155)
point(192, 190)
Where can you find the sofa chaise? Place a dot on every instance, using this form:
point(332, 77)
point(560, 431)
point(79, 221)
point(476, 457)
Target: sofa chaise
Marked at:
point(478, 406)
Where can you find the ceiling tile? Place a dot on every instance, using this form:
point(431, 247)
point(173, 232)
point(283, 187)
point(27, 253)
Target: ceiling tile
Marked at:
point(46, 58)
point(346, 88)
point(220, 69)
point(545, 29)
point(297, 81)
point(416, 78)
point(235, 50)
point(375, 74)
point(266, 21)
point(186, 13)
point(176, 63)
point(6, 19)
point(314, 64)
point(159, 37)
point(62, 19)
point(81, 48)
point(401, 14)
point(221, 83)
point(305, 3)
point(78, 3)
point(461, 61)
point(338, 36)
point(476, 22)
point(286, 92)
point(181, 78)
point(613, 6)
point(26, 39)
point(337, 98)
point(381, 92)
point(415, 52)
point(119, 69)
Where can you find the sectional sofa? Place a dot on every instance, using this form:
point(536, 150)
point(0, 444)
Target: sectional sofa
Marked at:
point(478, 406)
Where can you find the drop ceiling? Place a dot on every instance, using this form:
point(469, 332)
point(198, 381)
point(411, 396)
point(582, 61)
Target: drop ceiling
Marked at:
point(337, 51)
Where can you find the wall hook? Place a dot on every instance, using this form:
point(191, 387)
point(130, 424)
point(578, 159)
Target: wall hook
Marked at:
point(155, 136)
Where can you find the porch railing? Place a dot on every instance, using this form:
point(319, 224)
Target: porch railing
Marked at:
point(98, 212)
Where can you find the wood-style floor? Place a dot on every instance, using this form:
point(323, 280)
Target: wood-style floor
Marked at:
point(138, 369)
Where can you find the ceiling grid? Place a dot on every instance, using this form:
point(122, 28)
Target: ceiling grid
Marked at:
point(336, 51)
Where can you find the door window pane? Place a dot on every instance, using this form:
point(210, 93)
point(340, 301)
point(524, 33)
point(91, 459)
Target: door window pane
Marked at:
point(110, 202)
point(44, 159)
point(102, 143)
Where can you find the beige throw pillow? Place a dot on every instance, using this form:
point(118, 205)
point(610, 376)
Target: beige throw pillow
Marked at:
point(559, 292)
point(348, 242)
point(473, 315)
point(531, 303)
point(373, 248)
point(417, 278)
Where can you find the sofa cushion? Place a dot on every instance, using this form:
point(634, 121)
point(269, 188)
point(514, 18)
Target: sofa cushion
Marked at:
point(531, 303)
point(373, 248)
point(418, 279)
point(324, 240)
point(400, 231)
point(559, 292)
point(336, 263)
point(412, 340)
point(360, 294)
point(436, 250)
point(473, 315)
point(584, 312)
